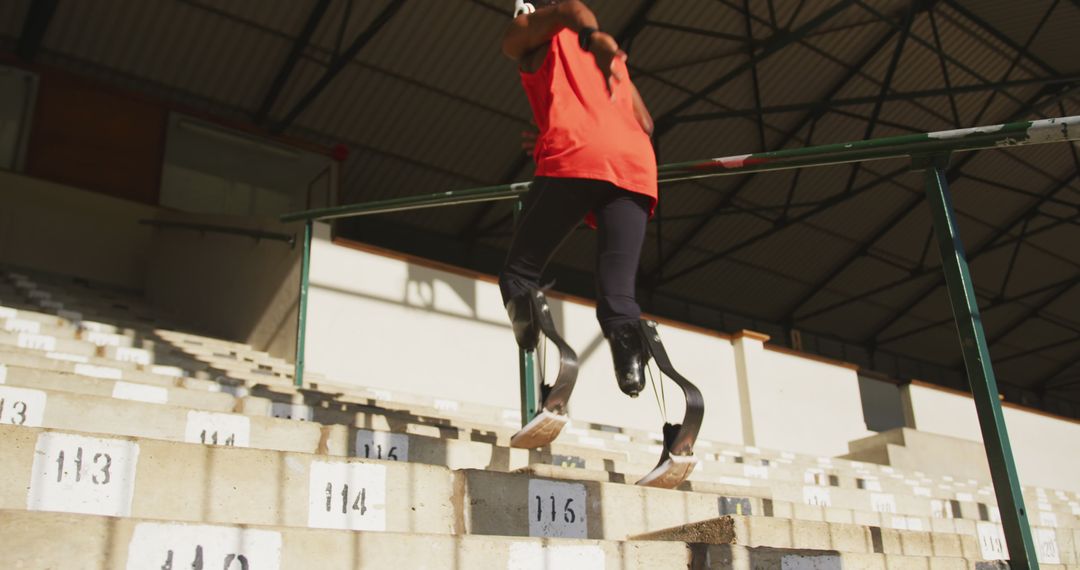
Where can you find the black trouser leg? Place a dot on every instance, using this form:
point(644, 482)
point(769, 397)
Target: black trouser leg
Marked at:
point(552, 209)
point(621, 224)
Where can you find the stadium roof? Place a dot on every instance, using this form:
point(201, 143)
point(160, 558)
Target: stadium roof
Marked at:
point(419, 91)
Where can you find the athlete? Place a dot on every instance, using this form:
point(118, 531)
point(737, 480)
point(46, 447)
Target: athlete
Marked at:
point(594, 161)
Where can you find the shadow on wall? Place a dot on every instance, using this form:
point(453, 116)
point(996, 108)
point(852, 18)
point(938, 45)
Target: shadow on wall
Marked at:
point(881, 404)
point(422, 285)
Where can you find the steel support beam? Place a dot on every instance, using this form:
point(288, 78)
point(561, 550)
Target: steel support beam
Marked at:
point(339, 63)
point(770, 47)
point(297, 50)
point(1038, 349)
point(807, 120)
point(945, 71)
point(37, 21)
point(997, 303)
point(1000, 36)
point(832, 104)
point(1028, 107)
point(1044, 383)
point(892, 220)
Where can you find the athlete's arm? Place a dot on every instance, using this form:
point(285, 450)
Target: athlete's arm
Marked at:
point(527, 33)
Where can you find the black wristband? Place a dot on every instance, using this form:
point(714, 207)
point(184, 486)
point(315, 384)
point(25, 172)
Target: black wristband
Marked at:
point(584, 37)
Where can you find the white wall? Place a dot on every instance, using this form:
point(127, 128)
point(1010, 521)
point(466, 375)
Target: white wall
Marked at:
point(801, 404)
point(1046, 449)
point(385, 323)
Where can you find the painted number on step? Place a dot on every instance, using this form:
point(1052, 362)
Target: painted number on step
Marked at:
point(382, 445)
point(78, 474)
point(817, 496)
point(21, 407)
point(347, 496)
point(202, 547)
point(883, 502)
point(557, 509)
point(210, 428)
point(1048, 548)
point(992, 542)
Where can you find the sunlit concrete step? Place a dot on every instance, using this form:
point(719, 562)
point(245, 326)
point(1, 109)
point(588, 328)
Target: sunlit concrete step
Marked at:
point(736, 557)
point(1053, 548)
point(848, 538)
point(103, 415)
point(62, 471)
point(54, 470)
point(128, 364)
point(53, 540)
point(431, 436)
point(162, 390)
point(523, 505)
point(34, 407)
point(128, 360)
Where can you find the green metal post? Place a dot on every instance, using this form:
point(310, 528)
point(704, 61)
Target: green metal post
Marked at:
point(979, 370)
point(526, 369)
point(301, 319)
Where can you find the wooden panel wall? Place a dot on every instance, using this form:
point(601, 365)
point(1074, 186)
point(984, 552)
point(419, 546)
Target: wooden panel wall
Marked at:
point(90, 137)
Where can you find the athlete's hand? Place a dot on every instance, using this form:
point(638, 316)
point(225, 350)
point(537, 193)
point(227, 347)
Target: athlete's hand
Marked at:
point(607, 54)
point(528, 141)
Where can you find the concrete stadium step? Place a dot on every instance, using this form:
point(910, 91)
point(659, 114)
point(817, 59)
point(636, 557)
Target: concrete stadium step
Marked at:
point(54, 470)
point(60, 471)
point(1054, 548)
point(736, 557)
point(109, 416)
point(127, 360)
point(53, 540)
point(162, 391)
point(126, 363)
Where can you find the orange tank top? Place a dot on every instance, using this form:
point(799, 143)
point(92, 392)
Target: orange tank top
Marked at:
point(583, 133)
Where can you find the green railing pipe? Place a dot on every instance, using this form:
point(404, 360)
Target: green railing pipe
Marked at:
point(980, 373)
point(996, 136)
point(257, 235)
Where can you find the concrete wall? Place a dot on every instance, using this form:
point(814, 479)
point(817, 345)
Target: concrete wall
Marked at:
point(791, 402)
point(1046, 449)
point(229, 286)
point(65, 230)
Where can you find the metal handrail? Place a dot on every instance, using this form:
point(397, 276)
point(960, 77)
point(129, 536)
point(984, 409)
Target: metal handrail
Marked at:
point(930, 153)
point(1020, 133)
point(229, 230)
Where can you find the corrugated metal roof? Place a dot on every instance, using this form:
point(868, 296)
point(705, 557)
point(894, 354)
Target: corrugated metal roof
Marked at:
point(430, 104)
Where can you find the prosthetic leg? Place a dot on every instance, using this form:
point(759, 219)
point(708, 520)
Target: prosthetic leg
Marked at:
point(530, 316)
point(677, 460)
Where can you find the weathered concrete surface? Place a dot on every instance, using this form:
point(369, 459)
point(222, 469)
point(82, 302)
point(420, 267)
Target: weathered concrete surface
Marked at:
point(54, 541)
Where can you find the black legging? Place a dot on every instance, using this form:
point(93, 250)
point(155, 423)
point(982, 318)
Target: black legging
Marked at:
point(553, 207)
